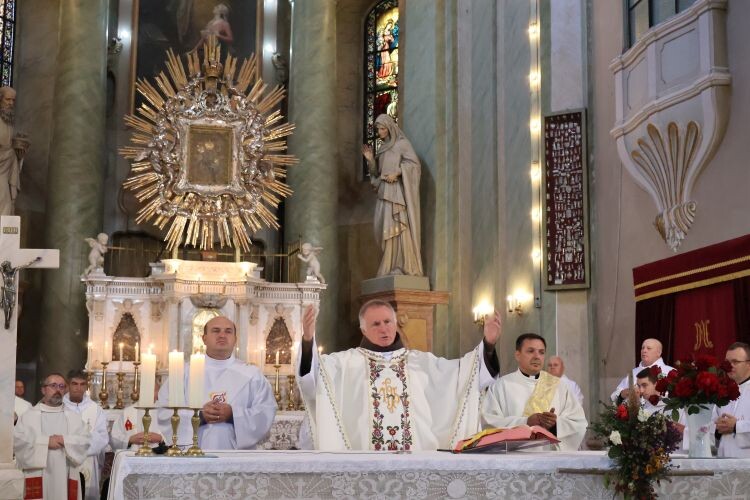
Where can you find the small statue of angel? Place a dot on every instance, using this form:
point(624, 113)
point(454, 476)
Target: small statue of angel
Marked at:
point(309, 254)
point(96, 255)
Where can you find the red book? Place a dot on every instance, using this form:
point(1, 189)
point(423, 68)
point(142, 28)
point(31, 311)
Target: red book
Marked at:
point(502, 440)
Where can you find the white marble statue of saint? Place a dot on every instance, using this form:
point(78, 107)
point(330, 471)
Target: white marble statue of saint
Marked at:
point(13, 148)
point(395, 172)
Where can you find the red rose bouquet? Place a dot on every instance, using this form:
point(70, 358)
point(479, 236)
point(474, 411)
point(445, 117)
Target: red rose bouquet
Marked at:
point(697, 383)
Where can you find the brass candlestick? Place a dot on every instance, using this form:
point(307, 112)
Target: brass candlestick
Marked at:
point(173, 450)
point(291, 404)
point(103, 394)
point(277, 388)
point(136, 393)
point(195, 451)
point(120, 403)
point(145, 449)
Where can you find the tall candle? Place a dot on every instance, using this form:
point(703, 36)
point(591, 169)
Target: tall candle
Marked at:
point(197, 380)
point(137, 352)
point(121, 346)
point(105, 356)
point(89, 356)
point(148, 380)
point(176, 379)
point(277, 357)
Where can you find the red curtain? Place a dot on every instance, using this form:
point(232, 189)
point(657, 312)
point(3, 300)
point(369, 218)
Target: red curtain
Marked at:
point(704, 321)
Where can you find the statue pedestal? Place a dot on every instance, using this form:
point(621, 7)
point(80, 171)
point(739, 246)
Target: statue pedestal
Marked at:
point(414, 303)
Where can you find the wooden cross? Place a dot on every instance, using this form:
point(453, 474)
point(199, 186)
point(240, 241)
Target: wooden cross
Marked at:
point(13, 258)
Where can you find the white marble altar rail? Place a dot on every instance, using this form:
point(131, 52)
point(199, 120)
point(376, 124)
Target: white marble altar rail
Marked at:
point(428, 475)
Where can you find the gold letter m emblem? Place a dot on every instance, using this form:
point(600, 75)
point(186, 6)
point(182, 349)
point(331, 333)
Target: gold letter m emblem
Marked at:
point(702, 336)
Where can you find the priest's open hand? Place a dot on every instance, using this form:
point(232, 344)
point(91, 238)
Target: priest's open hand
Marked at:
point(546, 419)
point(493, 328)
point(308, 323)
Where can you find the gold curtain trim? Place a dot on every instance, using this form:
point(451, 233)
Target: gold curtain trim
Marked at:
point(541, 398)
point(694, 284)
point(694, 271)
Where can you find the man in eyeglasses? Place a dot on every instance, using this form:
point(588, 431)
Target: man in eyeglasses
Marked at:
point(733, 420)
point(50, 443)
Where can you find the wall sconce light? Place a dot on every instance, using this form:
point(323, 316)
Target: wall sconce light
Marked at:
point(535, 172)
point(535, 125)
point(534, 79)
point(533, 31)
point(516, 301)
point(481, 311)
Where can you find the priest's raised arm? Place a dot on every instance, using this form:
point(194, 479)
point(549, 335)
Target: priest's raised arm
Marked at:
point(531, 396)
point(382, 396)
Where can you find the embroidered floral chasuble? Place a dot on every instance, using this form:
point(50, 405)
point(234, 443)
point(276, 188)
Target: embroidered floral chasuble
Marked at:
point(391, 429)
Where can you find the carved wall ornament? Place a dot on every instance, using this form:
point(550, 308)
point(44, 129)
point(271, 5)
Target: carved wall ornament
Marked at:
point(208, 150)
point(668, 163)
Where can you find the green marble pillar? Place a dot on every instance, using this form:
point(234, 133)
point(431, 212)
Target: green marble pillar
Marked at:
point(311, 212)
point(74, 179)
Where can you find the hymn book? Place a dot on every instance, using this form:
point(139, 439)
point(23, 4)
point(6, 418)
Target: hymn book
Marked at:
point(504, 440)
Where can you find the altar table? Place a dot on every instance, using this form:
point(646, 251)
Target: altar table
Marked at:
point(416, 475)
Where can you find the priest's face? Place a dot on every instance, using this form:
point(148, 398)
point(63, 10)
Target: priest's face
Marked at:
point(76, 389)
point(650, 351)
point(219, 335)
point(555, 366)
point(379, 325)
point(52, 390)
point(531, 356)
point(740, 365)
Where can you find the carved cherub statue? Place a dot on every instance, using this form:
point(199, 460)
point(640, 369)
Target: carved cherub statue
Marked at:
point(96, 255)
point(309, 254)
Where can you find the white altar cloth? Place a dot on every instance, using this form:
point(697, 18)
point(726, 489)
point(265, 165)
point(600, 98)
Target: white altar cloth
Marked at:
point(312, 474)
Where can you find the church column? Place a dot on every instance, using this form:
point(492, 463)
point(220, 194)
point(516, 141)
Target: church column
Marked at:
point(75, 176)
point(311, 210)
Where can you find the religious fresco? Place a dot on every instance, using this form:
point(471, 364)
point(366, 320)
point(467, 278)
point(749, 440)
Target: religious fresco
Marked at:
point(184, 25)
point(128, 335)
point(381, 73)
point(209, 155)
point(279, 339)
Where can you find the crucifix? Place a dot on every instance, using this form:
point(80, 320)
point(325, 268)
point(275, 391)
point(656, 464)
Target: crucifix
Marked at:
point(13, 258)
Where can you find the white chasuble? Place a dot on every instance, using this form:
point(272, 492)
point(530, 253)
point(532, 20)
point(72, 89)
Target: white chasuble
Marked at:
point(51, 474)
point(736, 444)
point(95, 421)
point(515, 397)
point(238, 384)
point(400, 400)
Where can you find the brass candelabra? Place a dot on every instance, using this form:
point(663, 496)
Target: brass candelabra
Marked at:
point(277, 388)
point(291, 403)
point(173, 450)
point(145, 449)
point(135, 395)
point(195, 451)
point(120, 392)
point(103, 394)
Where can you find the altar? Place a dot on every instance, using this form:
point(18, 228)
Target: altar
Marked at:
point(423, 475)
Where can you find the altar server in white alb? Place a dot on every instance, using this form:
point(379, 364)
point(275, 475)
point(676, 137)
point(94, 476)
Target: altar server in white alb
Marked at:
point(556, 367)
point(238, 403)
point(383, 396)
point(532, 396)
point(50, 444)
point(650, 356)
point(733, 420)
point(95, 420)
point(127, 430)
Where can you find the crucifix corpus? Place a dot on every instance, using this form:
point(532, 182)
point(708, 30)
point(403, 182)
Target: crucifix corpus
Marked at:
point(13, 258)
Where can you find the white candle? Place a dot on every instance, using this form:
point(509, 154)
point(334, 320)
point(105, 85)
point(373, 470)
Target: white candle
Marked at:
point(176, 379)
point(277, 357)
point(148, 380)
point(89, 356)
point(105, 357)
point(137, 352)
point(121, 346)
point(197, 380)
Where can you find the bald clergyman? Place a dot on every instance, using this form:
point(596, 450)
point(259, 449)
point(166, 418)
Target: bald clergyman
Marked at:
point(383, 396)
point(650, 356)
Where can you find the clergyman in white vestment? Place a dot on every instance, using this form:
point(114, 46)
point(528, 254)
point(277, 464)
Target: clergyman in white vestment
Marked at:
point(650, 356)
point(95, 420)
point(733, 420)
point(20, 406)
point(382, 396)
point(556, 367)
point(240, 406)
point(532, 396)
point(50, 444)
point(127, 429)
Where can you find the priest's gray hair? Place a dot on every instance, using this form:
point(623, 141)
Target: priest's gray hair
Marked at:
point(369, 305)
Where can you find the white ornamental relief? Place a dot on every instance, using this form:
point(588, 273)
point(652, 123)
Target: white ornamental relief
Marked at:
point(667, 162)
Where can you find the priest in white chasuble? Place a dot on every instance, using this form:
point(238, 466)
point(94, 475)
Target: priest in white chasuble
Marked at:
point(531, 396)
point(382, 396)
point(733, 420)
point(50, 444)
point(239, 406)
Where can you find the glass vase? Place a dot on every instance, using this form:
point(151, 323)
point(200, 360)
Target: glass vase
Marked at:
point(699, 433)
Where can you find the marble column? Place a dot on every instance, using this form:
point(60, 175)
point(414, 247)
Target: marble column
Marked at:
point(74, 179)
point(311, 212)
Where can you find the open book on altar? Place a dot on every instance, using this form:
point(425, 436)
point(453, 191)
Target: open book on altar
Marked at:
point(505, 440)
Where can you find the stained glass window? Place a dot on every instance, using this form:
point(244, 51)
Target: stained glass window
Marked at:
point(381, 67)
point(7, 37)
